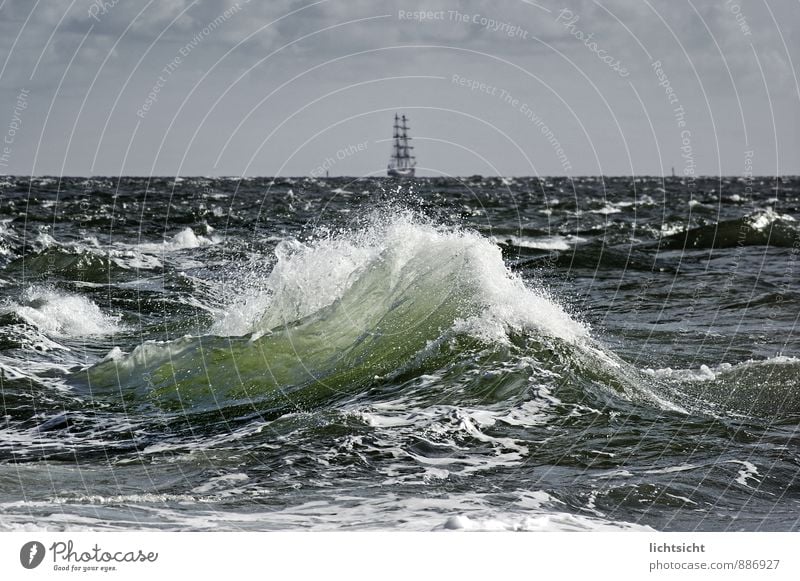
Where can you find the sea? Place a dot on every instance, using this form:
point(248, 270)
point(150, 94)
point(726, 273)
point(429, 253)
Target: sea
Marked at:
point(491, 354)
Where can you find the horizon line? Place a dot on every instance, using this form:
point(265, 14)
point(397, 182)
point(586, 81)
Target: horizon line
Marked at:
point(353, 177)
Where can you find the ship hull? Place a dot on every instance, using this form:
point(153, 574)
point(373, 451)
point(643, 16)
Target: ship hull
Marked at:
point(400, 172)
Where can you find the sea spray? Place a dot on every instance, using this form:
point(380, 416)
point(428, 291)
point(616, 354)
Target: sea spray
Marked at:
point(63, 314)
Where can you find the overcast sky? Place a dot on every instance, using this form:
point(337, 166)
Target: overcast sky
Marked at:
point(510, 87)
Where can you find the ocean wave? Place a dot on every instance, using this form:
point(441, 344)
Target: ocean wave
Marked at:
point(91, 260)
point(761, 228)
point(61, 314)
point(768, 387)
point(344, 311)
point(541, 243)
point(183, 240)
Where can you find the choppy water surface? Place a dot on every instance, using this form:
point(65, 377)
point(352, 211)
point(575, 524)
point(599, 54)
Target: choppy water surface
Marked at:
point(502, 354)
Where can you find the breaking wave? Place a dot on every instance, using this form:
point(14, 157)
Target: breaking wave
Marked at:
point(344, 312)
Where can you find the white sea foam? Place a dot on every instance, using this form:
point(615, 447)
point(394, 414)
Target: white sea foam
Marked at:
point(671, 469)
point(607, 209)
point(6, 232)
point(711, 373)
point(672, 228)
point(558, 521)
point(62, 314)
point(190, 512)
point(144, 256)
point(220, 483)
point(748, 472)
point(149, 255)
point(765, 218)
point(704, 373)
point(183, 240)
point(543, 243)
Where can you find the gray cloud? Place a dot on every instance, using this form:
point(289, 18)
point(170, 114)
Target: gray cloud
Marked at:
point(217, 106)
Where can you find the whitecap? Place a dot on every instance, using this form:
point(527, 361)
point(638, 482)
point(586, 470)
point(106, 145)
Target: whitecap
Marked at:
point(63, 314)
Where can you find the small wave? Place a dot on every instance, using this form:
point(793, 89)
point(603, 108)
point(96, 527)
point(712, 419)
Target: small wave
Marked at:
point(149, 255)
point(706, 373)
point(8, 239)
point(183, 240)
point(769, 387)
point(607, 210)
point(63, 314)
point(762, 228)
point(543, 243)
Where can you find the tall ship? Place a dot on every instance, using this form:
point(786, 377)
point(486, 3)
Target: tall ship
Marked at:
point(402, 163)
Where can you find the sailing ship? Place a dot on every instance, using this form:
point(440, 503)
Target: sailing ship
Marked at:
point(402, 163)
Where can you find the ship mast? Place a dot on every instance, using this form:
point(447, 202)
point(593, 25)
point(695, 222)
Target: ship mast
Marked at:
point(397, 154)
point(402, 162)
point(407, 157)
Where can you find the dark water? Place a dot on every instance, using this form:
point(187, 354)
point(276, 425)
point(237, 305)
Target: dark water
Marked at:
point(367, 354)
